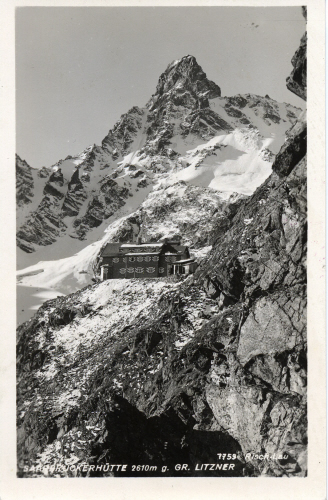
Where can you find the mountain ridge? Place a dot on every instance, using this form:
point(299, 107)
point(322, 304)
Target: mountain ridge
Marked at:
point(157, 141)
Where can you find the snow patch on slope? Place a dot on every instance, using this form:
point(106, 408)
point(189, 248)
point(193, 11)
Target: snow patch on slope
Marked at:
point(230, 163)
point(65, 275)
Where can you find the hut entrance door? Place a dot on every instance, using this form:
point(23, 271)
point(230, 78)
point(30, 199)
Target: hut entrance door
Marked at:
point(110, 272)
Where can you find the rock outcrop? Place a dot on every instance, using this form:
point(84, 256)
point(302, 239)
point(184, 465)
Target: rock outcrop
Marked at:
point(43, 226)
point(297, 81)
point(24, 182)
point(110, 198)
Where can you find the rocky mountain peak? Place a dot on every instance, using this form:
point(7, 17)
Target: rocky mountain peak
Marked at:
point(182, 136)
point(24, 182)
point(183, 75)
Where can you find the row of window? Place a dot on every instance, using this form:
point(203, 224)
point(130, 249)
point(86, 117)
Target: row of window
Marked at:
point(147, 258)
point(137, 250)
point(116, 260)
point(140, 270)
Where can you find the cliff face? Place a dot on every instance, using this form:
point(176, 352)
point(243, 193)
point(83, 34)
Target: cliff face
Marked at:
point(258, 389)
point(24, 182)
point(45, 224)
point(259, 265)
point(296, 82)
point(163, 373)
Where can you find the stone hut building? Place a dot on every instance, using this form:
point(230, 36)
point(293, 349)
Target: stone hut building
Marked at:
point(144, 260)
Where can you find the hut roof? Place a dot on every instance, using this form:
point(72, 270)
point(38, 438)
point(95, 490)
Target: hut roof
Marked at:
point(113, 249)
point(185, 261)
point(143, 245)
point(142, 253)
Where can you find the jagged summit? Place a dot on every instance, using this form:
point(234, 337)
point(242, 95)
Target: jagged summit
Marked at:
point(185, 75)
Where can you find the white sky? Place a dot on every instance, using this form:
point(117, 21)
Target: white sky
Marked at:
point(79, 68)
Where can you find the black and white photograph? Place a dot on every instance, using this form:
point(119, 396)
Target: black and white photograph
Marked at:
point(161, 231)
point(161, 234)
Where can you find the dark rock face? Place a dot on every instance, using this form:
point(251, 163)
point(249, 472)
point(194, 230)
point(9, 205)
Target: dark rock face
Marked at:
point(267, 351)
point(44, 172)
point(74, 197)
point(43, 226)
point(55, 182)
point(119, 140)
point(205, 123)
point(296, 82)
point(110, 198)
point(292, 151)
point(265, 248)
point(24, 182)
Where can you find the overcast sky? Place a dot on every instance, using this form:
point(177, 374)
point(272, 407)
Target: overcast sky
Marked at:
point(79, 68)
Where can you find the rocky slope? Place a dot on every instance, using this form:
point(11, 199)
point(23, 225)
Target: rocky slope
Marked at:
point(29, 186)
point(24, 182)
point(180, 210)
point(161, 373)
point(186, 132)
